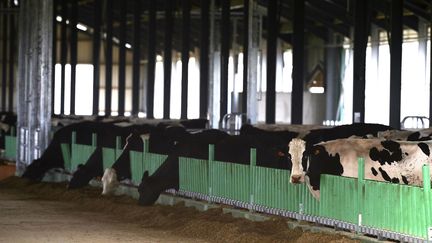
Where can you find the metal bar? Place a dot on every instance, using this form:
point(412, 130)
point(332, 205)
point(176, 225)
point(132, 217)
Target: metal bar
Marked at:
point(168, 57)
point(151, 58)
point(359, 72)
point(395, 62)
point(54, 53)
point(245, 55)
point(136, 58)
point(252, 60)
point(298, 63)
point(186, 6)
point(204, 57)
point(122, 59)
point(96, 54)
point(108, 56)
point(271, 61)
point(12, 53)
point(73, 53)
point(63, 53)
point(225, 46)
point(4, 59)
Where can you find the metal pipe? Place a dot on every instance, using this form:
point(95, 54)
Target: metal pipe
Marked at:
point(73, 53)
point(136, 58)
point(167, 57)
point(96, 54)
point(108, 56)
point(122, 59)
point(185, 57)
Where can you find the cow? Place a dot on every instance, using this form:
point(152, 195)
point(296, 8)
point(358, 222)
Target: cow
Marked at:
point(162, 140)
point(385, 160)
point(298, 149)
point(52, 156)
point(407, 135)
point(234, 149)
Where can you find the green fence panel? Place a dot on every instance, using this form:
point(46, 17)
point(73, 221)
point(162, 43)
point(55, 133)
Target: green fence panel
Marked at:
point(137, 168)
point(230, 180)
point(10, 147)
point(143, 161)
point(80, 154)
point(193, 175)
point(66, 153)
point(338, 197)
point(108, 157)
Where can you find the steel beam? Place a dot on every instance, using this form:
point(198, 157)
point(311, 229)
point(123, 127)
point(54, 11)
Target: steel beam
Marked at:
point(136, 66)
point(168, 57)
point(108, 56)
point(204, 57)
point(96, 54)
point(63, 53)
point(12, 53)
point(73, 53)
point(396, 62)
point(54, 52)
point(225, 47)
point(151, 58)
point(186, 5)
point(4, 59)
point(298, 63)
point(271, 61)
point(122, 59)
point(359, 82)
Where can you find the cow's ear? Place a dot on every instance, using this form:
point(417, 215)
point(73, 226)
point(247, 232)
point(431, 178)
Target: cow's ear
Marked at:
point(145, 175)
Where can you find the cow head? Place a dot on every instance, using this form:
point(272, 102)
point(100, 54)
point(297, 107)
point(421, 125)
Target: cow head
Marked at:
point(80, 177)
point(109, 181)
point(296, 150)
point(146, 189)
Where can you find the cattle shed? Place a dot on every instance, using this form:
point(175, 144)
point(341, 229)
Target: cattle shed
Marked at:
point(275, 64)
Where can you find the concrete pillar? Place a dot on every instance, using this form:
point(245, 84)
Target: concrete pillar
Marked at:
point(252, 59)
point(34, 80)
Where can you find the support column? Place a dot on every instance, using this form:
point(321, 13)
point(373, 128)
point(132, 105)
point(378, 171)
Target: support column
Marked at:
point(332, 74)
point(244, 106)
point(12, 53)
point(96, 53)
point(204, 57)
point(185, 57)
point(122, 59)
point(395, 62)
point(214, 69)
point(54, 52)
point(298, 63)
point(151, 58)
point(168, 57)
point(63, 53)
point(4, 59)
point(271, 61)
point(252, 60)
point(136, 59)
point(108, 57)
point(34, 80)
point(73, 53)
point(359, 82)
point(225, 46)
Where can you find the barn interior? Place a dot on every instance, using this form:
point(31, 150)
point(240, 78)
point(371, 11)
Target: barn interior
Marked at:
point(269, 63)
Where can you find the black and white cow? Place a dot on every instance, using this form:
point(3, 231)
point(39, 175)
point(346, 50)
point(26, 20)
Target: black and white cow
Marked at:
point(234, 149)
point(407, 135)
point(167, 175)
point(299, 146)
point(162, 140)
point(385, 160)
point(52, 156)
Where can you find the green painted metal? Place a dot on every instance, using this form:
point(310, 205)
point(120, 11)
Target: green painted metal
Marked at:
point(10, 147)
point(108, 157)
point(144, 161)
point(66, 153)
point(194, 175)
point(80, 153)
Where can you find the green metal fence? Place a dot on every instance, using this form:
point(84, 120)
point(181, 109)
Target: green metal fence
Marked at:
point(144, 161)
point(393, 207)
point(80, 153)
point(10, 147)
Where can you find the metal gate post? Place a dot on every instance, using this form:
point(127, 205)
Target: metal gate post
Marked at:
point(360, 194)
point(34, 80)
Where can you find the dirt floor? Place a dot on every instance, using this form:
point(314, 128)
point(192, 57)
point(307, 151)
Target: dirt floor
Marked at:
point(47, 212)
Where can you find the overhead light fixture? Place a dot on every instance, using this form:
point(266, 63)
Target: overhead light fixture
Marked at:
point(159, 58)
point(127, 45)
point(81, 27)
point(59, 19)
point(16, 3)
point(316, 81)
